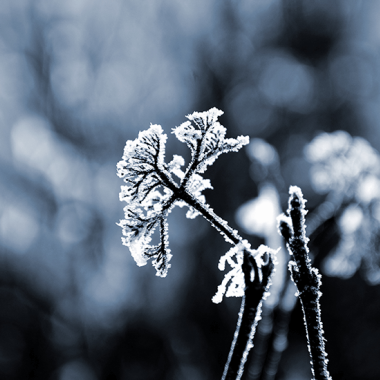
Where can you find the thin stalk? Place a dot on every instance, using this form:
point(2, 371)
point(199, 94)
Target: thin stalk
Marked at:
point(307, 280)
point(278, 339)
point(262, 339)
point(271, 338)
point(274, 341)
point(256, 286)
point(218, 223)
point(249, 315)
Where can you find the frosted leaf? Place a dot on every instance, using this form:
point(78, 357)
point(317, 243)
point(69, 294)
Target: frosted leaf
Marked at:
point(174, 166)
point(206, 139)
point(136, 248)
point(142, 157)
point(196, 185)
point(235, 277)
point(261, 251)
point(137, 232)
point(204, 119)
point(186, 133)
point(147, 196)
point(161, 252)
point(216, 144)
point(234, 257)
point(151, 192)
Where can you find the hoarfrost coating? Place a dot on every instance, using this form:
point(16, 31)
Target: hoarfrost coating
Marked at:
point(307, 280)
point(151, 191)
point(235, 257)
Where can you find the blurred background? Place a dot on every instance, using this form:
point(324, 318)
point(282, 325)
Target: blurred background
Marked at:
point(78, 78)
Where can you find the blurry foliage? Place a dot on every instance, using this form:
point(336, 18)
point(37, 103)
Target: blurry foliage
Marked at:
point(348, 170)
point(78, 79)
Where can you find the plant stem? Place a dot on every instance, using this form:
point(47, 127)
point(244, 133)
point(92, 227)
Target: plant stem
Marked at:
point(274, 339)
point(256, 287)
point(250, 310)
point(307, 280)
point(218, 223)
point(249, 315)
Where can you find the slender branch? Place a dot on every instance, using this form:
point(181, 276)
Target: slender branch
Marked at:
point(218, 223)
point(307, 280)
point(250, 310)
point(274, 339)
point(256, 287)
point(278, 335)
point(249, 315)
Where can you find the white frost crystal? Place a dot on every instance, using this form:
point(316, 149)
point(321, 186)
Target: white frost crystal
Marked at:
point(175, 166)
point(235, 275)
point(235, 257)
point(212, 136)
point(147, 197)
point(151, 191)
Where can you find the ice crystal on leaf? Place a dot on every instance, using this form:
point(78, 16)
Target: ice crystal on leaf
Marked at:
point(175, 165)
point(235, 257)
point(206, 139)
point(151, 191)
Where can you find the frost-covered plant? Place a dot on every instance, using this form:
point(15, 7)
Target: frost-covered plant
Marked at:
point(154, 187)
point(347, 169)
point(307, 280)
